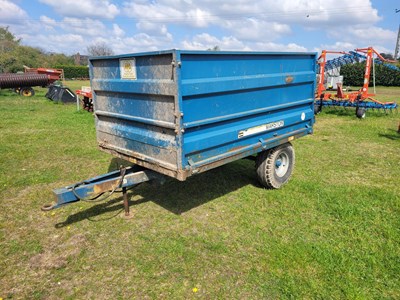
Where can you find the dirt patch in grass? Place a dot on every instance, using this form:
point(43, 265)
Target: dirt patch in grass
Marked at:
point(57, 256)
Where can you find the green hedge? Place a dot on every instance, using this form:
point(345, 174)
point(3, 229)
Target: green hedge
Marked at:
point(74, 71)
point(353, 75)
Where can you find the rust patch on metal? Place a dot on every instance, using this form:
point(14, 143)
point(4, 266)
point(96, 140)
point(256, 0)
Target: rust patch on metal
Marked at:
point(235, 148)
point(289, 79)
point(104, 187)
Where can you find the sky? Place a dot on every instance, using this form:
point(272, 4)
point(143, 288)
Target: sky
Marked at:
point(130, 26)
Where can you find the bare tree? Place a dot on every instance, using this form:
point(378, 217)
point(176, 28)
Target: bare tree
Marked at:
point(99, 49)
point(215, 48)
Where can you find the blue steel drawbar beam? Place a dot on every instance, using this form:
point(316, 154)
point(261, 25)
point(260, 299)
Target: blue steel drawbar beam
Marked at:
point(96, 186)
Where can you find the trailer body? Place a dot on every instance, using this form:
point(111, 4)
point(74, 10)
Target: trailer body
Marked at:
point(184, 112)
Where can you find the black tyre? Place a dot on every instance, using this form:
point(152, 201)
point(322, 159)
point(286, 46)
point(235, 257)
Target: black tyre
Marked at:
point(27, 92)
point(275, 166)
point(317, 108)
point(360, 113)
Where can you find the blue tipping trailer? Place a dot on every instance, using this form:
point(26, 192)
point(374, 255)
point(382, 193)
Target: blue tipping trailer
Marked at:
point(179, 113)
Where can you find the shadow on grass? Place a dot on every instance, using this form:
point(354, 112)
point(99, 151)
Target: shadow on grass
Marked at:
point(393, 135)
point(175, 196)
point(116, 162)
point(339, 111)
point(113, 205)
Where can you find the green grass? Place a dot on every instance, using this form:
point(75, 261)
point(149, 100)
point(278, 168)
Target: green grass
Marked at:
point(332, 232)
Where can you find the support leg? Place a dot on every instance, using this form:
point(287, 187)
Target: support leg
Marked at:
point(126, 201)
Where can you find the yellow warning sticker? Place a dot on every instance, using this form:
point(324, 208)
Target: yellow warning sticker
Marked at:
point(127, 68)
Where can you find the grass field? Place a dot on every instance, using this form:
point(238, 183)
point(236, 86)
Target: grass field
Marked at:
point(333, 232)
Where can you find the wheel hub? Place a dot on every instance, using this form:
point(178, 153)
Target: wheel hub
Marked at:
point(282, 164)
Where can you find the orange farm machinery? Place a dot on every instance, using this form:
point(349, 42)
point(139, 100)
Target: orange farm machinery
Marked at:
point(361, 99)
point(23, 83)
point(87, 99)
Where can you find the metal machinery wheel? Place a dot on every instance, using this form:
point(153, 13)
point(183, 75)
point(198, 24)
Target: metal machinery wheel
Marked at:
point(27, 91)
point(16, 90)
point(275, 166)
point(317, 108)
point(360, 113)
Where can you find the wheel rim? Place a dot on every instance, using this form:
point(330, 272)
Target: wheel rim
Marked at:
point(27, 93)
point(282, 164)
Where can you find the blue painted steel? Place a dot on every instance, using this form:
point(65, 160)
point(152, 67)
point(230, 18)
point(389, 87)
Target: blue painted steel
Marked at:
point(189, 111)
point(100, 184)
point(350, 58)
point(363, 104)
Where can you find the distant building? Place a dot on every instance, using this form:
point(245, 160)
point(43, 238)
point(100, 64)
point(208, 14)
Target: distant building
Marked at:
point(81, 60)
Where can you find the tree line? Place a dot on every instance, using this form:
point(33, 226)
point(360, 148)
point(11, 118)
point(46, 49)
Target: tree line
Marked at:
point(14, 56)
point(353, 75)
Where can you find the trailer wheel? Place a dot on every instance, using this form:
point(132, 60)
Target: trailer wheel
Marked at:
point(275, 166)
point(360, 113)
point(27, 91)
